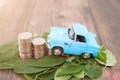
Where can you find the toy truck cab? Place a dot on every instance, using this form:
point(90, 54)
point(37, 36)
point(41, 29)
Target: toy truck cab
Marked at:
point(76, 40)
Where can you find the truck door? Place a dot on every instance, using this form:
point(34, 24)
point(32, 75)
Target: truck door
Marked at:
point(78, 45)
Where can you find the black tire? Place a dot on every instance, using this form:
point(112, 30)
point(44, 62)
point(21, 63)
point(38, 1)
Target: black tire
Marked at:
point(86, 55)
point(57, 51)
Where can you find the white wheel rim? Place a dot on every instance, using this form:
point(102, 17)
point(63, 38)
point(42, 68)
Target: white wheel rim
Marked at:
point(86, 55)
point(57, 52)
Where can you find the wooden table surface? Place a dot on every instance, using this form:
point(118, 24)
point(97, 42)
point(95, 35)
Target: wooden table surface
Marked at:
point(100, 16)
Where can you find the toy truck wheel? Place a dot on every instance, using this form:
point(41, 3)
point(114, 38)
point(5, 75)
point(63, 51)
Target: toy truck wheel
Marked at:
point(86, 55)
point(57, 51)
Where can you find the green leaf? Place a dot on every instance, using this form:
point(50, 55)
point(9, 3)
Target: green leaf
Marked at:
point(102, 57)
point(93, 71)
point(8, 64)
point(35, 35)
point(79, 75)
point(84, 62)
point(74, 78)
point(8, 51)
point(77, 59)
point(8, 55)
point(47, 76)
point(28, 77)
point(111, 60)
point(106, 58)
point(22, 68)
point(6, 46)
point(45, 35)
point(5, 66)
point(102, 48)
point(48, 61)
point(33, 65)
point(61, 77)
point(70, 69)
point(70, 59)
point(100, 62)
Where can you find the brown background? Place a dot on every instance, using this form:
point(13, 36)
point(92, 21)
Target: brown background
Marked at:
point(100, 16)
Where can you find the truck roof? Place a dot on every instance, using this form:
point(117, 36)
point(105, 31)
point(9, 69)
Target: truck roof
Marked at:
point(80, 29)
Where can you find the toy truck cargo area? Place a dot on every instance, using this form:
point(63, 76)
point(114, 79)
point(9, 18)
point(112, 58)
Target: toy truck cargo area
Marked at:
point(75, 40)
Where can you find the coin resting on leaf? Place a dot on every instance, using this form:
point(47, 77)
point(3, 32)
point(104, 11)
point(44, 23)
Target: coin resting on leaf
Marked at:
point(25, 45)
point(39, 47)
point(29, 47)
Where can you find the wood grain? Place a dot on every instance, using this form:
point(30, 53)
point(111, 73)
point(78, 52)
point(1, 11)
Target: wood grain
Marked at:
point(100, 16)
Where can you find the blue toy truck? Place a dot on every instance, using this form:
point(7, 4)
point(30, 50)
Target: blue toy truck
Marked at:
point(76, 40)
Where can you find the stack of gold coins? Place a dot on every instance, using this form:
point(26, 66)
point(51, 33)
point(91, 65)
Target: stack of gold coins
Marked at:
point(39, 47)
point(25, 45)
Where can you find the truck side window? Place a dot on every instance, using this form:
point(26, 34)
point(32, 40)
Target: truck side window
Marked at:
point(81, 39)
point(71, 33)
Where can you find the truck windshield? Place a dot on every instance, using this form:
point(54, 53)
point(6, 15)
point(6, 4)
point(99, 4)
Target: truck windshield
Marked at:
point(71, 33)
